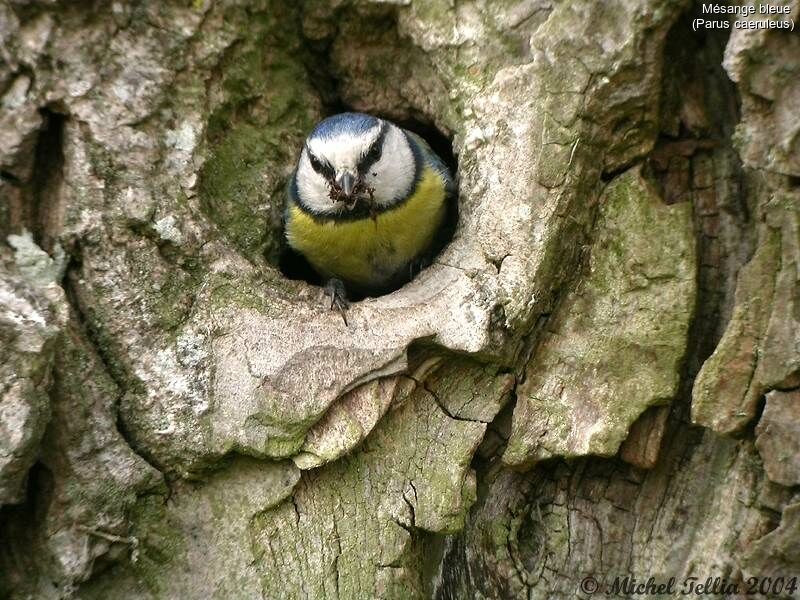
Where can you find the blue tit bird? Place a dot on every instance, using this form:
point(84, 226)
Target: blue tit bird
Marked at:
point(366, 205)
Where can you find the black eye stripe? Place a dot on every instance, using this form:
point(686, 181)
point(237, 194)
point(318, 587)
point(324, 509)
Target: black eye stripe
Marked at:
point(324, 168)
point(374, 153)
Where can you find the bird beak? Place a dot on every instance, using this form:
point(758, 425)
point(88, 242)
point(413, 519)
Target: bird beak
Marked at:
point(347, 182)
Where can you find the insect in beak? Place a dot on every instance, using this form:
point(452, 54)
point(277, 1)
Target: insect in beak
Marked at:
point(350, 189)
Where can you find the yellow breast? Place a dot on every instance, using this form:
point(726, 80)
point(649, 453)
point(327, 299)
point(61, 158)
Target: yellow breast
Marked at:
point(370, 253)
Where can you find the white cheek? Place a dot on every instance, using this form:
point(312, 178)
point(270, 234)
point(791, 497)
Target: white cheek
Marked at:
point(393, 174)
point(312, 187)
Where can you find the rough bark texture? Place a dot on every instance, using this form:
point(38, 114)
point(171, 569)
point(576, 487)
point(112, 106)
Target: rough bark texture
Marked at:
point(598, 376)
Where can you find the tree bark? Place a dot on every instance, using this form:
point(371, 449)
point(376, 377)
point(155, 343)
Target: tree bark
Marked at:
point(598, 378)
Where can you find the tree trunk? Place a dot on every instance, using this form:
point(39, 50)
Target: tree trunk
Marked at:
point(598, 378)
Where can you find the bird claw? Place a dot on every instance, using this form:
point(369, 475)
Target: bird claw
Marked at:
point(338, 295)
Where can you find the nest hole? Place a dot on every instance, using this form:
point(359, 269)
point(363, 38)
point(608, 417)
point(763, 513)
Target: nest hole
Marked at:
point(294, 266)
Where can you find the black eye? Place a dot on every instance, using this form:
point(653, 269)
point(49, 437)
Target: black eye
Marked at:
point(323, 168)
point(372, 156)
point(315, 163)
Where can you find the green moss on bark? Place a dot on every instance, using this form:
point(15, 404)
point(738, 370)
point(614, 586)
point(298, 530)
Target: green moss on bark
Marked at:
point(269, 106)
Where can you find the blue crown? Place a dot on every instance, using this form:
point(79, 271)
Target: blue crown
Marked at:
point(349, 122)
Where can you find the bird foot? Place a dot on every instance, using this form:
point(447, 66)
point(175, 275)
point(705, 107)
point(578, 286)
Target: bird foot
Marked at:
point(336, 291)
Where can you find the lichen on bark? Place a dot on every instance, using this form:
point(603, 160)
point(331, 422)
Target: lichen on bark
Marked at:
point(616, 346)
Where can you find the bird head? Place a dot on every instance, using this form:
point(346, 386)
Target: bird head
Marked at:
point(352, 160)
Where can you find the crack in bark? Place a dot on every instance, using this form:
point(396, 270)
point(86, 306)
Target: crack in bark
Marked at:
point(84, 327)
point(410, 505)
point(423, 384)
point(337, 574)
point(296, 508)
